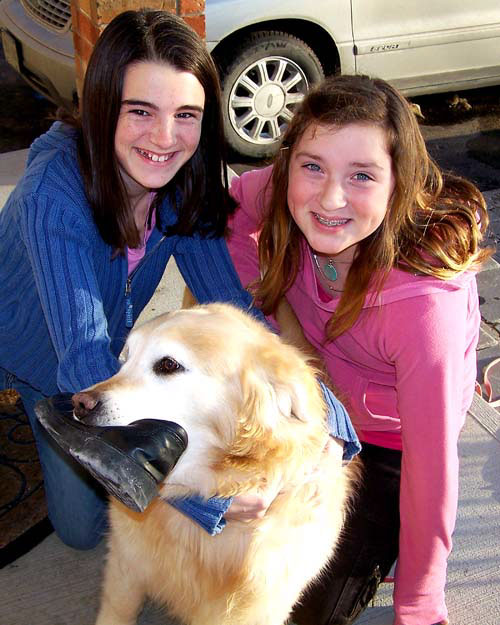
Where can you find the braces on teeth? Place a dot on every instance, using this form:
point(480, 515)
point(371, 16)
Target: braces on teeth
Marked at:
point(330, 222)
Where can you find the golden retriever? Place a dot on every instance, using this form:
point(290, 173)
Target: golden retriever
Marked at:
point(255, 419)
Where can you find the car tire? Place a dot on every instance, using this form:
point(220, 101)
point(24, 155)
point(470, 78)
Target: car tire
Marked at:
point(261, 86)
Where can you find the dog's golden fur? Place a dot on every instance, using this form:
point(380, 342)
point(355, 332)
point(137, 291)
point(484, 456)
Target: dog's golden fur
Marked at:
point(255, 418)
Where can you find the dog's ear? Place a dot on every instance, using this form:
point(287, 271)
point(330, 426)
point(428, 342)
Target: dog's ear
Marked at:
point(295, 384)
point(280, 386)
point(298, 397)
point(281, 413)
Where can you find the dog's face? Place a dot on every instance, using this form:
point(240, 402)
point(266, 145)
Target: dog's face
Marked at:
point(244, 398)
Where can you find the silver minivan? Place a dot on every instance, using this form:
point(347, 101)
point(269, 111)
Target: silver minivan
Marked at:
point(268, 53)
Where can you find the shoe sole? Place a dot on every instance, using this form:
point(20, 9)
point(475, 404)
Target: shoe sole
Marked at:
point(121, 476)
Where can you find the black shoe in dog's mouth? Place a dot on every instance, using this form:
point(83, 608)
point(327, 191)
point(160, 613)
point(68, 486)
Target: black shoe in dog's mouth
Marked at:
point(130, 461)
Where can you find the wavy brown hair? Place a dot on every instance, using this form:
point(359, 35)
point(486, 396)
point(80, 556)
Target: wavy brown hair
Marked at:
point(434, 224)
point(198, 191)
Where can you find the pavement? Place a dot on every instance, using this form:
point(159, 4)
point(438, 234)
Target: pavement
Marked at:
point(55, 585)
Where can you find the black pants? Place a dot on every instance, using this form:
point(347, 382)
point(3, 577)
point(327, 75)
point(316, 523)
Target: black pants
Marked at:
point(367, 550)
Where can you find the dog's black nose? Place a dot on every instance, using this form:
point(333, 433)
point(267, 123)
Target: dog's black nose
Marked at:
point(84, 403)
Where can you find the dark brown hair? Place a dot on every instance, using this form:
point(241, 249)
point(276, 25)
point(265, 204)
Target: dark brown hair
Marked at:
point(198, 191)
point(434, 223)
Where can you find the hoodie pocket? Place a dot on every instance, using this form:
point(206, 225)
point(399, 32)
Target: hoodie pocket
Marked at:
point(375, 406)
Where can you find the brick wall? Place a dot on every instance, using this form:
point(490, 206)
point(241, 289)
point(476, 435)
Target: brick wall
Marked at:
point(90, 17)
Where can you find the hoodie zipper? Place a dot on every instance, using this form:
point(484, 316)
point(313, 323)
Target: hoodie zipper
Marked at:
point(129, 307)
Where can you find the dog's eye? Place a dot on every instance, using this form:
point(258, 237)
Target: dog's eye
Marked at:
point(167, 365)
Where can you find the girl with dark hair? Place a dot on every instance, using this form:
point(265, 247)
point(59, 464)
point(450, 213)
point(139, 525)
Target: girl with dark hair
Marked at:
point(105, 201)
point(376, 252)
point(129, 63)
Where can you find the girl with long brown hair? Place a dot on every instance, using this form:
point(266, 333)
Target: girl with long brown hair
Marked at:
point(376, 252)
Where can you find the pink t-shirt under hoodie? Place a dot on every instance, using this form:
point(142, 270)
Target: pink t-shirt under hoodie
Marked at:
point(136, 254)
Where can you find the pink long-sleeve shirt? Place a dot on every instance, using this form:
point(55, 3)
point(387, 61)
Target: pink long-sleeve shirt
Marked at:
point(407, 369)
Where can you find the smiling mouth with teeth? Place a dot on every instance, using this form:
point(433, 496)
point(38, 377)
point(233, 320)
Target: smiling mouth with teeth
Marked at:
point(330, 222)
point(154, 157)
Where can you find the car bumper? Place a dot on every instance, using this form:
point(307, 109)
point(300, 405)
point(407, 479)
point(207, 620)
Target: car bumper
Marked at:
point(35, 52)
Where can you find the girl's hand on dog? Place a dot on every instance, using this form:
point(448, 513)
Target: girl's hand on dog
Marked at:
point(335, 447)
point(254, 506)
point(250, 506)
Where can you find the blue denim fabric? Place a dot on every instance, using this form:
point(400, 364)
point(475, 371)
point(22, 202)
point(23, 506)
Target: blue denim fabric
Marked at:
point(339, 424)
point(208, 513)
point(81, 520)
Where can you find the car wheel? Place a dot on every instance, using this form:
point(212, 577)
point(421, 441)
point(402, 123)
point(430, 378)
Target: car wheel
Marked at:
point(261, 87)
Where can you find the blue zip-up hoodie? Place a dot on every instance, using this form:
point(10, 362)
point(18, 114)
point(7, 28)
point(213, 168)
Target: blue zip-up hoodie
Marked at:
point(63, 304)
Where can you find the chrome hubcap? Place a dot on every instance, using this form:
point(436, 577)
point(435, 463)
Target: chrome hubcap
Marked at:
point(263, 99)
